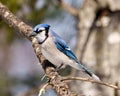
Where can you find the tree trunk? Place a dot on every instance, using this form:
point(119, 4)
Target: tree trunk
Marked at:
point(98, 44)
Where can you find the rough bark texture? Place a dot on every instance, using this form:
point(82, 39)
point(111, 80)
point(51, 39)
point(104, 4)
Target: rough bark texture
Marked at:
point(98, 44)
point(55, 80)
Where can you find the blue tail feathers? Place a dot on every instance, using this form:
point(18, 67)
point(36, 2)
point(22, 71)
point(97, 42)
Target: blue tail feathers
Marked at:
point(89, 72)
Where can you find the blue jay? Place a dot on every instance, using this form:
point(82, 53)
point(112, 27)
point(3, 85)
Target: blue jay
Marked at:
point(55, 49)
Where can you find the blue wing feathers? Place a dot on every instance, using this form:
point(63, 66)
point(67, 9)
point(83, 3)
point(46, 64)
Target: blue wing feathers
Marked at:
point(63, 47)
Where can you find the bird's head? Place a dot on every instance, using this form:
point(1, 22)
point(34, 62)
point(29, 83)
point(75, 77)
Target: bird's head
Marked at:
point(40, 32)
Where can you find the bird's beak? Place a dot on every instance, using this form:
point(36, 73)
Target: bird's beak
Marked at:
point(32, 34)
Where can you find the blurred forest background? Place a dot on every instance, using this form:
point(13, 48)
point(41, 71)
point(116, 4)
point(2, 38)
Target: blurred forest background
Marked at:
point(93, 33)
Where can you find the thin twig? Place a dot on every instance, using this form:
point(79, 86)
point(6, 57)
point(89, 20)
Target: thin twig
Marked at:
point(116, 93)
point(14, 22)
point(42, 90)
point(92, 81)
point(68, 8)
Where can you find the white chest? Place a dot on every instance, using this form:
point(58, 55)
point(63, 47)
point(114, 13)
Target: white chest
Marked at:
point(51, 53)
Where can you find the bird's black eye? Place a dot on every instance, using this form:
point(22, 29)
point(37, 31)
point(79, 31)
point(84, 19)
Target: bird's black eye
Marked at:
point(40, 31)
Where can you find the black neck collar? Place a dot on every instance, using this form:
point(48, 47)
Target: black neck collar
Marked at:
point(43, 40)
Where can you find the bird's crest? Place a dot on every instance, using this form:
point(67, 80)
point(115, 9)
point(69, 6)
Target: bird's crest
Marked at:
point(45, 26)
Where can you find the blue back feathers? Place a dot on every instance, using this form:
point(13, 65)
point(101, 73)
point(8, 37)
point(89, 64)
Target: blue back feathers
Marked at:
point(59, 42)
point(63, 47)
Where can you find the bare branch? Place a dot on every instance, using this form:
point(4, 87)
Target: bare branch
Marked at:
point(14, 22)
point(56, 81)
point(92, 81)
point(68, 8)
point(116, 93)
point(42, 90)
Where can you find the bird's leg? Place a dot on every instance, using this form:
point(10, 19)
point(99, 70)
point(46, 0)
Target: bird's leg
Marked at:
point(47, 78)
point(43, 77)
point(59, 67)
